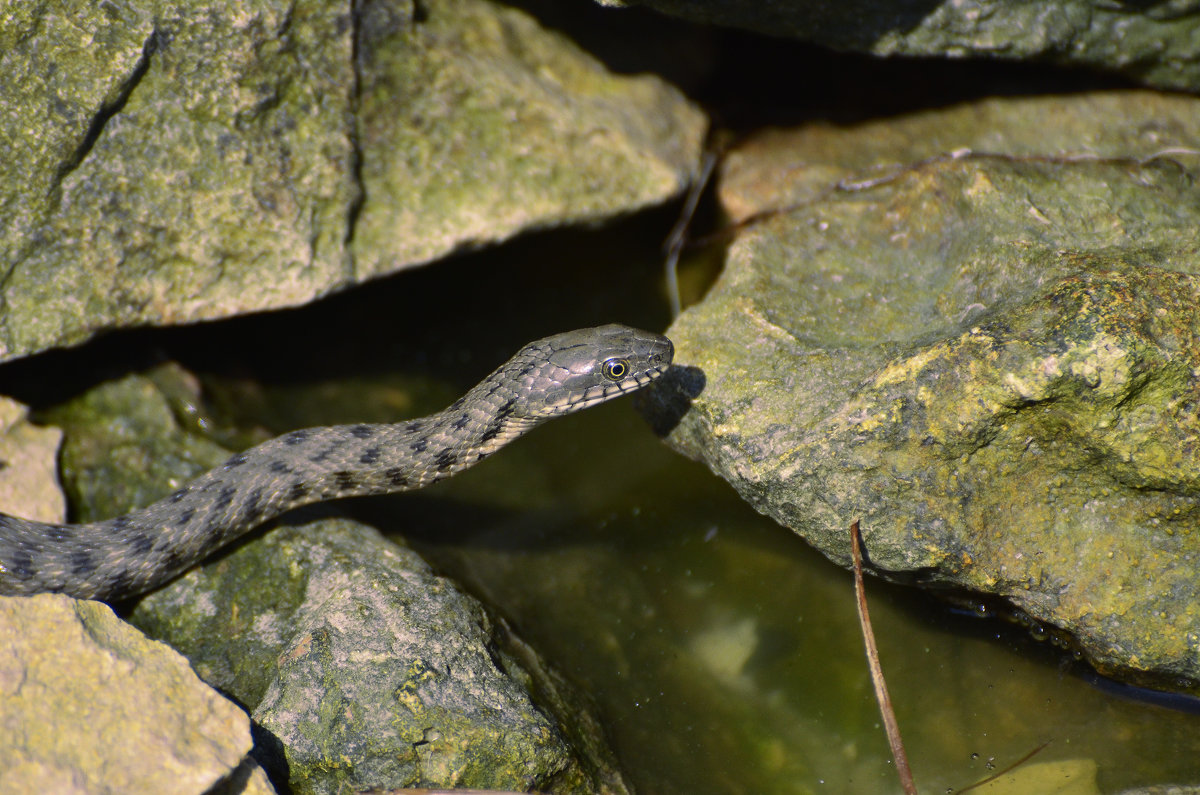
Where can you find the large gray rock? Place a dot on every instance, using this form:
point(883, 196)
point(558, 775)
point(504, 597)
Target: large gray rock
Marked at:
point(379, 674)
point(89, 705)
point(1153, 42)
point(178, 161)
point(166, 161)
point(991, 360)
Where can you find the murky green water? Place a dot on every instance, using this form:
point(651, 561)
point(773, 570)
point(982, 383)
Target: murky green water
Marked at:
point(723, 654)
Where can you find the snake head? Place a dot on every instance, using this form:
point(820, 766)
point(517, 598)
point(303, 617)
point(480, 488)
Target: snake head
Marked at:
point(576, 369)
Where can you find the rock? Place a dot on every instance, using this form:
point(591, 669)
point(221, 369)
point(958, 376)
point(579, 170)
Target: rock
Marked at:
point(124, 445)
point(1153, 43)
point(198, 160)
point(989, 359)
point(89, 705)
point(28, 465)
point(476, 124)
point(364, 669)
point(369, 670)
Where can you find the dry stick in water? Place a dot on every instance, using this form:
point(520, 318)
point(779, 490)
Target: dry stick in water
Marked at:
point(678, 236)
point(881, 691)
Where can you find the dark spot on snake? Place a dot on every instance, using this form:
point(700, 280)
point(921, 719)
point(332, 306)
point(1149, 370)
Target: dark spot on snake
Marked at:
point(225, 498)
point(446, 459)
point(297, 437)
point(413, 427)
point(420, 445)
point(60, 533)
point(252, 508)
point(186, 516)
point(235, 461)
point(298, 491)
point(22, 563)
point(178, 495)
point(279, 467)
point(505, 411)
point(141, 544)
point(370, 456)
point(214, 527)
point(458, 404)
point(362, 431)
point(120, 583)
point(346, 480)
point(462, 422)
point(328, 451)
point(121, 524)
point(492, 431)
point(175, 560)
point(81, 563)
point(397, 476)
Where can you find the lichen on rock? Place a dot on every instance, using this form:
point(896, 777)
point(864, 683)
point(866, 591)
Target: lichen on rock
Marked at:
point(989, 358)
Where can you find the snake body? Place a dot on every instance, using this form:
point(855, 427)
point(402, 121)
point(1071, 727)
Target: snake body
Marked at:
point(142, 549)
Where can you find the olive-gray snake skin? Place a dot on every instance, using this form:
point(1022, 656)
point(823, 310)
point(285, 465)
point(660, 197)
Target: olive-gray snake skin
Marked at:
point(142, 549)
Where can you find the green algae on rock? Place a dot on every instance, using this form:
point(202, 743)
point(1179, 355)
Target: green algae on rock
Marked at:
point(476, 123)
point(178, 162)
point(200, 164)
point(992, 361)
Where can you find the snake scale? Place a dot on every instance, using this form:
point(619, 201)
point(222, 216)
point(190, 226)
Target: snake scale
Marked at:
point(142, 549)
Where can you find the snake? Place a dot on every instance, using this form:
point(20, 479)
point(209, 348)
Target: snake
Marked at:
point(143, 549)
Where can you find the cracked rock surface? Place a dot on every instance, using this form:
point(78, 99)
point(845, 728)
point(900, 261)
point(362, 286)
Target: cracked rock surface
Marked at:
point(166, 162)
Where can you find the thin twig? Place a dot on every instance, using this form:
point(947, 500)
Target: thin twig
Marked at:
point(881, 691)
point(675, 240)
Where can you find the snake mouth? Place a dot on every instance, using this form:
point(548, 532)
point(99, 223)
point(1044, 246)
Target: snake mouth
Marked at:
point(653, 374)
point(600, 394)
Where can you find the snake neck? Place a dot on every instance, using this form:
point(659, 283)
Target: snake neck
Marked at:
point(318, 464)
point(145, 548)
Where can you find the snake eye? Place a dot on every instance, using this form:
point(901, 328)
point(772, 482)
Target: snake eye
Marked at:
point(615, 369)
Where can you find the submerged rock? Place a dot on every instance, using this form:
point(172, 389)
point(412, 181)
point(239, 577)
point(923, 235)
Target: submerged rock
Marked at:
point(186, 161)
point(981, 338)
